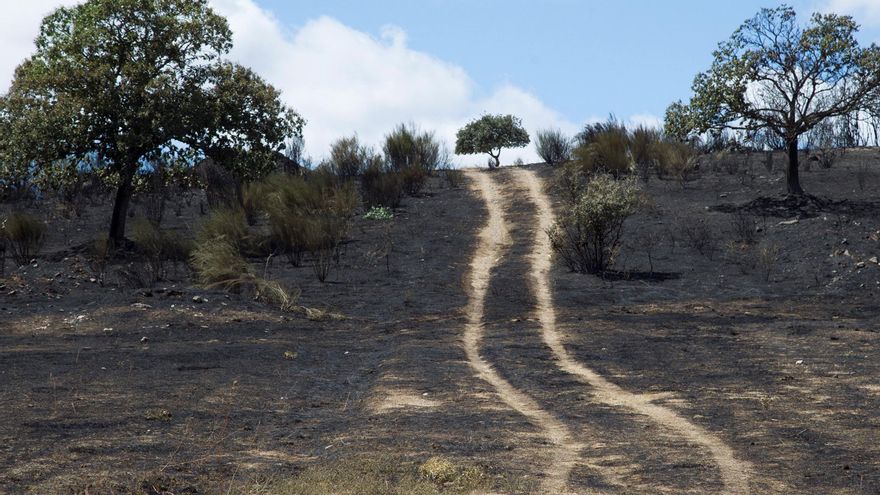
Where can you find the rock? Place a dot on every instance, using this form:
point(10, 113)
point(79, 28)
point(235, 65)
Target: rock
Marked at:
point(141, 306)
point(860, 264)
point(199, 300)
point(870, 260)
point(144, 340)
point(790, 222)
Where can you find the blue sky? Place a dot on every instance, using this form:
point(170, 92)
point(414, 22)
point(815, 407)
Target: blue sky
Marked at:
point(362, 67)
point(582, 58)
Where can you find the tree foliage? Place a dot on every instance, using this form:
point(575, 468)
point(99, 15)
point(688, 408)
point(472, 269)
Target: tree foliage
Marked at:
point(489, 134)
point(120, 82)
point(774, 74)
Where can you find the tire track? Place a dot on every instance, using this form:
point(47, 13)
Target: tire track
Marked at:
point(492, 240)
point(734, 473)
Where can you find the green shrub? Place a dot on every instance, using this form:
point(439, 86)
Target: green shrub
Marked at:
point(553, 146)
point(25, 235)
point(227, 224)
point(159, 247)
point(379, 213)
point(588, 236)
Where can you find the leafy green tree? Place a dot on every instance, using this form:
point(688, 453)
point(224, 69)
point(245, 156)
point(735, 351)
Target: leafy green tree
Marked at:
point(121, 82)
point(774, 74)
point(489, 134)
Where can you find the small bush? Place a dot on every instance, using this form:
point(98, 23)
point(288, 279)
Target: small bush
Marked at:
point(308, 216)
point(379, 213)
point(677, 160)
point(700, 237)
point(644, 148)
point(381, 187)
point(407, 147)
point(607, 152)
point(745, 227)
point(413, 179)
point(553, 146)
point(159, 247)
point(25, 235)
point(587, 238)
point(348, 158)
point(454, 177)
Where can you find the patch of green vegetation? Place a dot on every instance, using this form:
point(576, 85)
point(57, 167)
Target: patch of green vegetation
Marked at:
point(379, 213)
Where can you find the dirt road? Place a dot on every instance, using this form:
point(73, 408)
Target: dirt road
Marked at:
point(564, 443)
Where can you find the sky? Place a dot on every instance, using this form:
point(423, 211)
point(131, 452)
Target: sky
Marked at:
point(356, 67)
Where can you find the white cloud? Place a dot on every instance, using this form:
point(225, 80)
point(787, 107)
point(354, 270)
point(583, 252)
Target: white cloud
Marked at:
point(19, 27)
point(343, 81)
point(864, 11)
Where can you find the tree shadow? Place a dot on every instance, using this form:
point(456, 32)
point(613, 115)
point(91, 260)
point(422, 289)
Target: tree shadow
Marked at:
point(616, 275)
point(806, 206)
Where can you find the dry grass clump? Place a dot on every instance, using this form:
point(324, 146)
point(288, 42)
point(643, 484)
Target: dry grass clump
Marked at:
point(24, 236)
point(229, 224)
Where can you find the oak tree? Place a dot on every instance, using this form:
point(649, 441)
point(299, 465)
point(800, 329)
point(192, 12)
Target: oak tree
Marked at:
point(776, 75)
point(119, 82)
point(489, 134)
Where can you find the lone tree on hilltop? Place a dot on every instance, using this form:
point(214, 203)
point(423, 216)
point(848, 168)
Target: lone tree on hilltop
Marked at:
point(489, 134)
point(122, 82)
point(775, 75)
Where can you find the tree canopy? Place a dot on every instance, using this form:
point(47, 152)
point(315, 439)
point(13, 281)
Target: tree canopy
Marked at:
point(775, 75)
point(118, 82)
point(489, 134)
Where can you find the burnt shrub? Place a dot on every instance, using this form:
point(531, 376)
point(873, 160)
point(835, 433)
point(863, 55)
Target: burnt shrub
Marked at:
point(553, 146)
point(24, 234)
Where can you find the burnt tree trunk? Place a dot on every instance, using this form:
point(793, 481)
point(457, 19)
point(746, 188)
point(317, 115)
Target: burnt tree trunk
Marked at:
point(792, 173)
point(120, 206)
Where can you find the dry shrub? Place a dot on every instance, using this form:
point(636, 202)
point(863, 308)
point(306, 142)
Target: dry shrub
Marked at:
point(228, 224)
point(348, 158)
point(454, 177)
point(309, 216)
point(607, 152)
point(414, 154)
point(675, 159)
point(24, 234)
point(587, 238)
point(644, 148)
point(699, 236)
point(768, 256)
point(381, 186)
point(553, 146)
point(159, 247)
point(745, 227)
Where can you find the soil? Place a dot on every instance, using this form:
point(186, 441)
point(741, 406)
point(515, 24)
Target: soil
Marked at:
point(701, 364)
